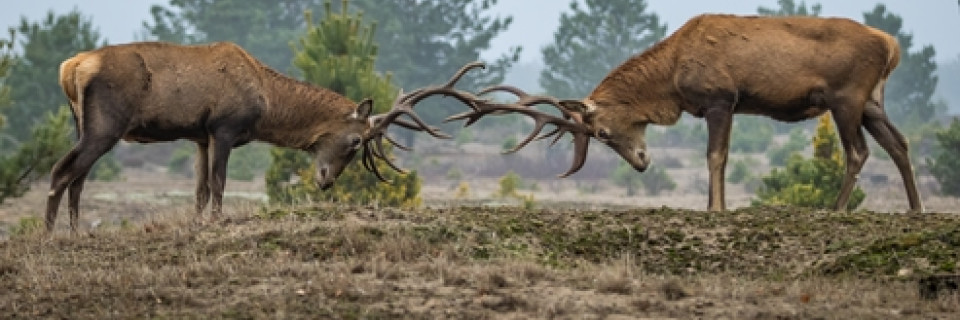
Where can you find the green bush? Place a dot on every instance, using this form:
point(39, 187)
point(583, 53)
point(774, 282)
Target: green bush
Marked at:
point(654, 180)
point(811, 182)
point(181, 160)
point(625, 176)
point(107, 168)
point(509, 144)
point(28, 160)
point(247, 160)
point(27, 226)
point(454, 174)
point(687, 132)
point(463, 136)
point(34, 158)
point(509, 184)
point(739, 172)
point(945, 164)
point(6, 61)
point(751, 134)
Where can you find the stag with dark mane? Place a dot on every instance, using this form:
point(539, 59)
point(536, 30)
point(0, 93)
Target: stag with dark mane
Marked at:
point(219, 97)
point(715, 66)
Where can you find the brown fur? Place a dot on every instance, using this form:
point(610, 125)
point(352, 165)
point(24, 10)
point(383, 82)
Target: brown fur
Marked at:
point(180, 84)
point(786, 68)
point(216, 95)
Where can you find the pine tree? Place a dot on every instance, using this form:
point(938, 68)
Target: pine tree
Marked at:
point(593, 40)
point(811, 182)
point(34, 158)
point(626, 176)
point(422, 38)
point(6, 60)
point(263, 28)
point(909, 92)
point(45, 44)
point(30, 159)
point(338, 53)
point(791, 8)
point(945, 164)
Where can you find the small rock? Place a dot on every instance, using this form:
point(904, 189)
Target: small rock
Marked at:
point(904, 272)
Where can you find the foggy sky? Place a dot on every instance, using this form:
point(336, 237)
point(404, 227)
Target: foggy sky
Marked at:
point(932, 21)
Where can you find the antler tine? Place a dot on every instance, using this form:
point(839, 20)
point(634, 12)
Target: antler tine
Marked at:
point(403, 106)
point(447, 89)
point(505, 88)
point(529, 100)
point(538, 126)
point(555, 139)
point(404, 103)
point(378, 152)
point(463, 71)
point(569, 123)
point(368, 163)
point(410, 125)
point(581, 144)
point(396, 144)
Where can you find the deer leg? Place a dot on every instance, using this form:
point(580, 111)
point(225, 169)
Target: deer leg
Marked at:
point(895, 144)
point(73, 200)
point(855, 149)
point(719, 121)
point(222, 144)
point(202, 170)
point(74, 165)
point(59, 177)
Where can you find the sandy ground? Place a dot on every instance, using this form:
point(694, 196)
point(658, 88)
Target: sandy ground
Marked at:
point(143, 191)
point(165, 266)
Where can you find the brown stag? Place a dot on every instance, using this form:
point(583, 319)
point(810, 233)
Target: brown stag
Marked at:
point(219, 97)
point(715, 66)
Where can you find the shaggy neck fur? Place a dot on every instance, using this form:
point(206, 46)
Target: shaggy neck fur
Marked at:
point(298, 113)
point(642, 87)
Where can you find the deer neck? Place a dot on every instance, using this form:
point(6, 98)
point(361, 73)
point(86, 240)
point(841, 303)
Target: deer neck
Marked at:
point(643, 87)
point(298, 113)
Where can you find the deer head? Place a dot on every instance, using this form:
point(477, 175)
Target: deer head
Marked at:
point(611, 127)
point(333, 150)
point(581, 120)
point(369, 132)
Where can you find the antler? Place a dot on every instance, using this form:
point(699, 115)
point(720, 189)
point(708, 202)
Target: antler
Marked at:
point(403, 105)
point(570, 123)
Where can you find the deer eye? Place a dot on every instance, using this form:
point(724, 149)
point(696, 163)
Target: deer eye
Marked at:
point(602, 134)
point(355, 142)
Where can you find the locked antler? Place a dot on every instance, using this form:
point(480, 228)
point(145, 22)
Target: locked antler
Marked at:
point(571, 122)
point(403, 106)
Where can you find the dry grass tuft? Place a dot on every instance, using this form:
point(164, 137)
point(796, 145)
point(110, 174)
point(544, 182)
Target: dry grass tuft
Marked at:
point(356, 262)
point(672, 290)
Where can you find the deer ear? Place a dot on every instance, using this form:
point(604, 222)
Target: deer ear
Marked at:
point(574, 106)
point(364, 109)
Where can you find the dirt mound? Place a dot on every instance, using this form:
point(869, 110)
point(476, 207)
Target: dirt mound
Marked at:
point(479, 262)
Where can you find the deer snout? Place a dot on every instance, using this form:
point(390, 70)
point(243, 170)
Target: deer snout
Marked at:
point(324, 180)
point(641, 162)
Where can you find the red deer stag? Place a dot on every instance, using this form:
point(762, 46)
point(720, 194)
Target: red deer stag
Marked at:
point(715, 66)
point(219, 97)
